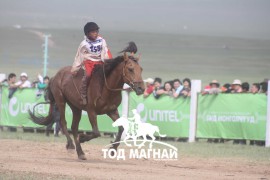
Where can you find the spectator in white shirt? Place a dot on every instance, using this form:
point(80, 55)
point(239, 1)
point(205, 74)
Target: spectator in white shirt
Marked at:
point(24, 82)
point(177, 88)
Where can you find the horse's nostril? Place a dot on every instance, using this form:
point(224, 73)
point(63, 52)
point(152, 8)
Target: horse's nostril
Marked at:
point(140, 90)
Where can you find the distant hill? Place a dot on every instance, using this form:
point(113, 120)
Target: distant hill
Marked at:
point(164, 55)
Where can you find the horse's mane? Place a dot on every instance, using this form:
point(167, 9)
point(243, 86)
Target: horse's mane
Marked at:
point(110, 64)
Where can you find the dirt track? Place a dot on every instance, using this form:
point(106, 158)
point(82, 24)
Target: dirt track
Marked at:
point(52, 161)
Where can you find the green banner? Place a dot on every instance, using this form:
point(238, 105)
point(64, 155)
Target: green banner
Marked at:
point(14, 111)
point(169, 114)
point(232, 116)
point(228, 116)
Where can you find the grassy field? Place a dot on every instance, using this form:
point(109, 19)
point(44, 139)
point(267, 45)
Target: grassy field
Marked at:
point(200, 149)
point(163, 55)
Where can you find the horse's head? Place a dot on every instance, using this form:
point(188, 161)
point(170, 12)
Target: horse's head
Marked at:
point(132, 74)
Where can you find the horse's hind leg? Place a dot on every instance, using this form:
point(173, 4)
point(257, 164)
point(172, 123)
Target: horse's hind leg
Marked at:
point(61, 104)
point(74, 127)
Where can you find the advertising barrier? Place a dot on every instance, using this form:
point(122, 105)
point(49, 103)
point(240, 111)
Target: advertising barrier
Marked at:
point(169, 114)
point(232, 116)
point(227, 116)
point(14, 111)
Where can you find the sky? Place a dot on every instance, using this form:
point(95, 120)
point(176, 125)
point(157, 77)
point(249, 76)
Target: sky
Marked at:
point(229, 18)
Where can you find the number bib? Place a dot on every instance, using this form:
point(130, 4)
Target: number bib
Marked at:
point(95, 47)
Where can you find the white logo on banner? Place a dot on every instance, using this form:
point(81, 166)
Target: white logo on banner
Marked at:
point(11, 107)
point(15, 107)
point(134, 128)
point(158, 115)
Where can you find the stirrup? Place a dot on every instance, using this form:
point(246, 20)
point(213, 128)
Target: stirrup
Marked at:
point(84, 101)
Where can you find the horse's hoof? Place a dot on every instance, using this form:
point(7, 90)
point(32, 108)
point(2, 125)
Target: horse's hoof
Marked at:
point(70, 146)
point(112, 152)
point(82, 157)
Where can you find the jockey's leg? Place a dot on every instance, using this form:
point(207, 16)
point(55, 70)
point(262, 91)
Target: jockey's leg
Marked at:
point(83, 89)
point(98, 84)
point(85, 80)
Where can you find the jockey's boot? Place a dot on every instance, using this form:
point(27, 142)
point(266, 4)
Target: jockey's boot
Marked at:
point(83, 90)
point(99, 87)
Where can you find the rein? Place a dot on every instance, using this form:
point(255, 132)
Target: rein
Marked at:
point(131, 83)
point(75, 86)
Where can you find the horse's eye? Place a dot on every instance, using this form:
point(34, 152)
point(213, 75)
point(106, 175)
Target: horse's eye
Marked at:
point(130, 69)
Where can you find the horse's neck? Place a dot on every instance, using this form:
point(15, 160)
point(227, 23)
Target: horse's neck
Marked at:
point(114, 82)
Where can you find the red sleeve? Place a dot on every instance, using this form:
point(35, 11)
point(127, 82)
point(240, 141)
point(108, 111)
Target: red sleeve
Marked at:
point(150, 89)
point(109, 54)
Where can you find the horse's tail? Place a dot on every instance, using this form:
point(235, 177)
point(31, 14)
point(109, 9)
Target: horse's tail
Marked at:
point(161, 135)
point(39, 119)
point(48, 93)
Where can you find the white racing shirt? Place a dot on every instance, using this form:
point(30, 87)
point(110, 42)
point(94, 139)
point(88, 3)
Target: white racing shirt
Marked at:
point(91, 50)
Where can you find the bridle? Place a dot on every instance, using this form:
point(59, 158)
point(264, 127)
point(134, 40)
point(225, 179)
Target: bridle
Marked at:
point(131, 82)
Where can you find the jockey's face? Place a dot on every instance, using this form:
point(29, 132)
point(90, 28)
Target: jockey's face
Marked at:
point(92, 35)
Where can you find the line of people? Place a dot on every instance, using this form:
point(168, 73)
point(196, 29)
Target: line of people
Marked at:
point(236, 87)
point(174, 88)
point(13, 85)
point(40, 83)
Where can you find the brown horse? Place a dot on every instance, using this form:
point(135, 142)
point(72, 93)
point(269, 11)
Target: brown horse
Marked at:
point(63, 88)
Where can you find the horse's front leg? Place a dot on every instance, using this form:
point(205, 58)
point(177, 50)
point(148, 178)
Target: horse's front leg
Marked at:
point(114, 115)
point(95, 132)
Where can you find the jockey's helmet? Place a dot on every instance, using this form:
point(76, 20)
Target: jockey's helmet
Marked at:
point(90, 26)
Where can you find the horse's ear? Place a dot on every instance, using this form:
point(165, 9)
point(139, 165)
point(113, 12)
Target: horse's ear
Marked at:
point(125, 56)
point(138, 58)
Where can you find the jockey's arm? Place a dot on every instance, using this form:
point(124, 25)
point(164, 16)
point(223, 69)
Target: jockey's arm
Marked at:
point(106, 53)
point(81, 55)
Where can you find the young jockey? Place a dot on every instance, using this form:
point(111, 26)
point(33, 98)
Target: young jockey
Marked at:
point(91, 52)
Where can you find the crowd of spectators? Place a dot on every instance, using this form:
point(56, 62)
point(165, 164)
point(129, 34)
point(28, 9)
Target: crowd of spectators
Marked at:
point(177, 88)
point(11, 82)
point(236, 87)
point(174, 88)
point(40, 84)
